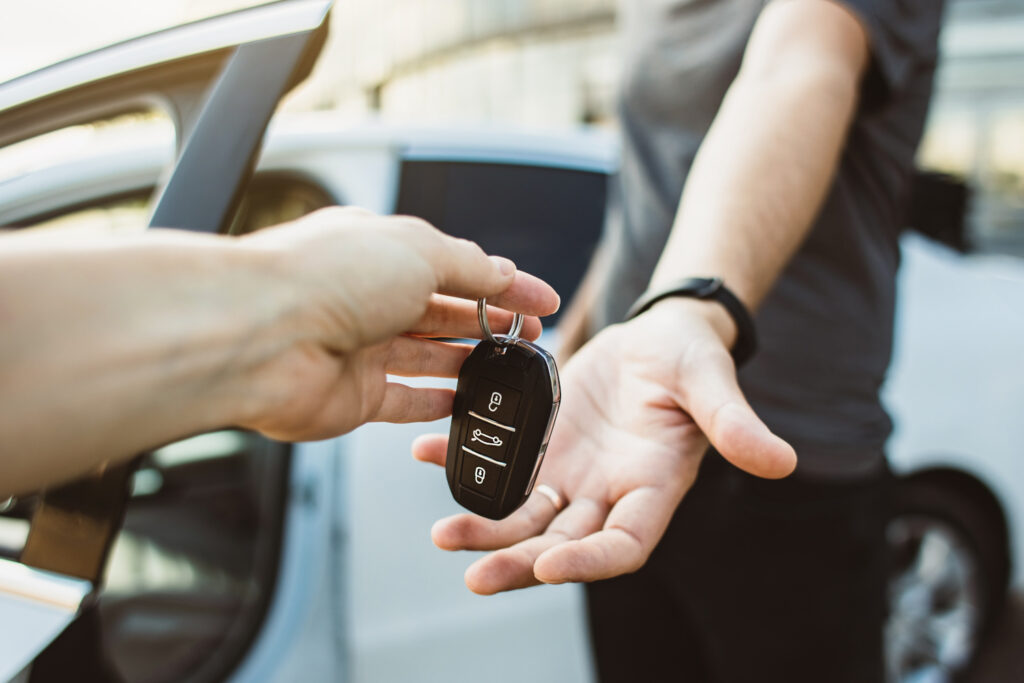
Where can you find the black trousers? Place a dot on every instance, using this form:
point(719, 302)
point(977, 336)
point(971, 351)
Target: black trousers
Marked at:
point(754, 580)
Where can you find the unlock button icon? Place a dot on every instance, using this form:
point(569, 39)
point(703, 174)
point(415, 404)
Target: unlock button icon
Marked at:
point(495, 401)
point(479, 475)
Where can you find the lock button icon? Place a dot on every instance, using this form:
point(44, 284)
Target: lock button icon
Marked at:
point(481, 474)
point(495, 401)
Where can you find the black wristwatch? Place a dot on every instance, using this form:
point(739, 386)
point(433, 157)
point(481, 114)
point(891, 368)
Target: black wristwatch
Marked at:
point(708, 288)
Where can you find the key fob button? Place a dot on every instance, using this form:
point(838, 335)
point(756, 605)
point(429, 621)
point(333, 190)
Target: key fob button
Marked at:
point(488, 439)
point(480, 475)
point(496, 401)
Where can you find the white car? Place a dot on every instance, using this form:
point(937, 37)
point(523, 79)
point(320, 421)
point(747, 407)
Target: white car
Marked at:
point(248, 560)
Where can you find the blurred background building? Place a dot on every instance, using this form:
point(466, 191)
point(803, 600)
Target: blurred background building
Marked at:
point(531, 62)
point(553, 64)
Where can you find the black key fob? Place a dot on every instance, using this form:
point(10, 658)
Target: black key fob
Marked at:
point(505, 406)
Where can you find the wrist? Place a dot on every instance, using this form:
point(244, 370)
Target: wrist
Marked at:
point(744, 335)
point(704, 311)
point(256, 301)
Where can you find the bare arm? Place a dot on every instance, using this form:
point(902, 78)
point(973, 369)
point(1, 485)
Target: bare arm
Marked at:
point(107, 348)
point(116, 345)
point(766, 163)
point(768, 160)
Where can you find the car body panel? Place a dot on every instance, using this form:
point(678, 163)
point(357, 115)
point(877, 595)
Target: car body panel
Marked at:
point(956, 384)
point(303, 636)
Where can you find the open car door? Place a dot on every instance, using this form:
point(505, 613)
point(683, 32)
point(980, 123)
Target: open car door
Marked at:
point(220, 81)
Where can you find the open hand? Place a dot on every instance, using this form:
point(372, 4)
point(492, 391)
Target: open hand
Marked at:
point(640, 403)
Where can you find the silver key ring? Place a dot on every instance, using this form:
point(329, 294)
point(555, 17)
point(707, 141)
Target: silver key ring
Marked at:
point(513, 334)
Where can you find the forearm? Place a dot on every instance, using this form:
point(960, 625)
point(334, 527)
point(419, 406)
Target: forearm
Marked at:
point(769, 158)
point(123, 344)
point(118, 344)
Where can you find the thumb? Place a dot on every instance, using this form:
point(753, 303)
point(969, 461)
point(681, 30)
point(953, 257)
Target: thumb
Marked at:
point(713, 398)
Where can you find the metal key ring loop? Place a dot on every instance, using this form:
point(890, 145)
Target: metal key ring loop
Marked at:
point(513, 334)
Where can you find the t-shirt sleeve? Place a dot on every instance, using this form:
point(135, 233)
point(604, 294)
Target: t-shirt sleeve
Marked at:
point(903, 37)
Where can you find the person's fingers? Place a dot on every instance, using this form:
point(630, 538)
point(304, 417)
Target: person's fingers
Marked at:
point(449, 316)
point(432, 448)
point(510, 568)
point(633, 527)
point(472, 532)
point(714, 400)
point(464, 270)
point(414, 357)
point(527, 294)
point(403, 403)
point(514, 567)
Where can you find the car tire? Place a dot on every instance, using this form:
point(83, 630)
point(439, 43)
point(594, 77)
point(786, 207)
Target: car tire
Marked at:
point(948, 576)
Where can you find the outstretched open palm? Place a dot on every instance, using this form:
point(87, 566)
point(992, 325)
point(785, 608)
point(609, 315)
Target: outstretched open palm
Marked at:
point(640, 403)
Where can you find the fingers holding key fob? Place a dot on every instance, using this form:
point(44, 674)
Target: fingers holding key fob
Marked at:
point(360, 295)
point(448, 316)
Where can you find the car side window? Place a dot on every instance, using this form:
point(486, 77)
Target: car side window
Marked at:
point(548, 220)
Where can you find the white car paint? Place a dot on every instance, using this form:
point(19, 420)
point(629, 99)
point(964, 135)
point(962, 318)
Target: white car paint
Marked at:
point(364, 596)
point(956, 383)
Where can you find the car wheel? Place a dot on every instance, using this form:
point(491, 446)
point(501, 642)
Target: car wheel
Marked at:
point(947, 578)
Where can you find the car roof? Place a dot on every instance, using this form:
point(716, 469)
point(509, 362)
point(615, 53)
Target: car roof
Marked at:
point(103, 167)
point(582, 148)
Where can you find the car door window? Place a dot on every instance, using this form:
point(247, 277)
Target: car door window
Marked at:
point(95, 142)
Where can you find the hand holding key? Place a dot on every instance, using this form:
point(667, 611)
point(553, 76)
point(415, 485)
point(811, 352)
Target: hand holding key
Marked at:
point(372, 290)
point(640, 403)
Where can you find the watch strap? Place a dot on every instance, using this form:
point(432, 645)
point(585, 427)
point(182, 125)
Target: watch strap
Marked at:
point(708, 289)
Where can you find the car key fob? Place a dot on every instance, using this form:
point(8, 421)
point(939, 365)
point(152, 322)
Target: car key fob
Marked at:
point(505, 406)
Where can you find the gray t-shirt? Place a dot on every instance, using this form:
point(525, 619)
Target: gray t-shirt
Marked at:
point(825, 329)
